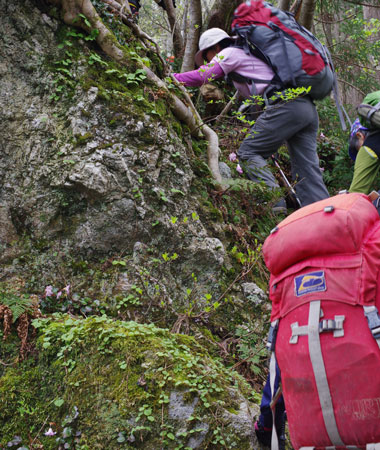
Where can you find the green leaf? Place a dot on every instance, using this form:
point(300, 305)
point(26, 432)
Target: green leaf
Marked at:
point(120, 263)
point(86, 21)
point(112, 71)
point(176, 191)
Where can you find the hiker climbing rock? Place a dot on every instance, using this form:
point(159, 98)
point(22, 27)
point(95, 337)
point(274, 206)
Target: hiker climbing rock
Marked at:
point(294, 122)
point(364, 145)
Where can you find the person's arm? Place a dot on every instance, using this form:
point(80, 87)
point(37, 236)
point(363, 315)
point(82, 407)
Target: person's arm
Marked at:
point(203, 75)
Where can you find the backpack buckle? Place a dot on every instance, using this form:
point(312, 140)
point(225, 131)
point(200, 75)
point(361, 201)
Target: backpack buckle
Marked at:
point(335, 325)
point(373, 318)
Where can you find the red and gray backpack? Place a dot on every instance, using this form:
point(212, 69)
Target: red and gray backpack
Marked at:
point(324, 261)
point(296, 56)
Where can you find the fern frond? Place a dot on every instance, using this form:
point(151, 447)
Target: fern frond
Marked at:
point(18, 305)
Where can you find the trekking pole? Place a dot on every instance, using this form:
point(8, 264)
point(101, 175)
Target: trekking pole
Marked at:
point(274, 159)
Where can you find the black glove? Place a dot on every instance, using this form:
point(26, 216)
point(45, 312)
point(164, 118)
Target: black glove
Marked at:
point(135, 6)
point(162, 4)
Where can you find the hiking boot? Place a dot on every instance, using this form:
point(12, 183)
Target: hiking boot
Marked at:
point(264, 435)
point(280, 207)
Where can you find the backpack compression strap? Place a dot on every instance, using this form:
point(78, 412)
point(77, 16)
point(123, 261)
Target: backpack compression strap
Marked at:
point(371, 113)
point(320, 374)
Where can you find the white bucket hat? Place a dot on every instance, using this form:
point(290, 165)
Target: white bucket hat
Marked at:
point(207, 40)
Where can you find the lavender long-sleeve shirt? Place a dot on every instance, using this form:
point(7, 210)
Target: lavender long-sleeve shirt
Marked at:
point(230, 59)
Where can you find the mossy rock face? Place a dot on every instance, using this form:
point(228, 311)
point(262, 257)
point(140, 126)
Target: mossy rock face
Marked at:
point(116, 384)
point(106, 202)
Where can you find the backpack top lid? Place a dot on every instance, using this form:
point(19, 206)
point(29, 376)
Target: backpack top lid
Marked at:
point(250, 12)
point(334, 226)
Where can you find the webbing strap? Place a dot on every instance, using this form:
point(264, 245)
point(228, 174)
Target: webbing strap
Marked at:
point(279, 31)
point(335, 325)
point(320, 374)
point(272, 378)
point(373, 318)
point(374, 446)
point(372, 111)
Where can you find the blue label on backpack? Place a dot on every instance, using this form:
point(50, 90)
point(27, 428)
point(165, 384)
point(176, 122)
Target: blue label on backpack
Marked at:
point(310, 282)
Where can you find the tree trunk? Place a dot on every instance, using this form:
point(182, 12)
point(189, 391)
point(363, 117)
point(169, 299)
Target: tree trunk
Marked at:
point(307, 13)
point(284, 5)
point(192, 36)
point(221, 14)
point(175, 29)
point(185, 22)
point(370, 12)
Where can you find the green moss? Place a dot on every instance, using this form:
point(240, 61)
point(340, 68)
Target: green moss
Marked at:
point(82, 139)
point(199, 147)
point(120, 376)
point(210, 212)
point(177, 127)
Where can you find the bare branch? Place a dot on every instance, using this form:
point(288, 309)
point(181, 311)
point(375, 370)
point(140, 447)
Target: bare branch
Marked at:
point(333, 22)
point(353, 2)
point(227, 108)
point(352, 86)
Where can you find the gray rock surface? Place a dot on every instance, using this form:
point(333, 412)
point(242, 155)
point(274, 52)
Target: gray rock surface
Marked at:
point(85, 175)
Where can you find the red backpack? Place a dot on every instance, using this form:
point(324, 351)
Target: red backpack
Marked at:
point(324, 261)
point(296, 56)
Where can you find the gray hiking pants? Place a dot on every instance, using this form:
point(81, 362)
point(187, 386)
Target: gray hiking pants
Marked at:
point(295, 122)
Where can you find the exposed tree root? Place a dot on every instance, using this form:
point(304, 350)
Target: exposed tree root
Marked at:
point(187, 113)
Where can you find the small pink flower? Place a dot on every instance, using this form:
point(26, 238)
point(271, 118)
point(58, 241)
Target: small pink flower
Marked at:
point(67, 289)
point(232, 157)
point(322, 135)
point(59, 294)
point(239, 169)
point(48, 291)
point(50, 432)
